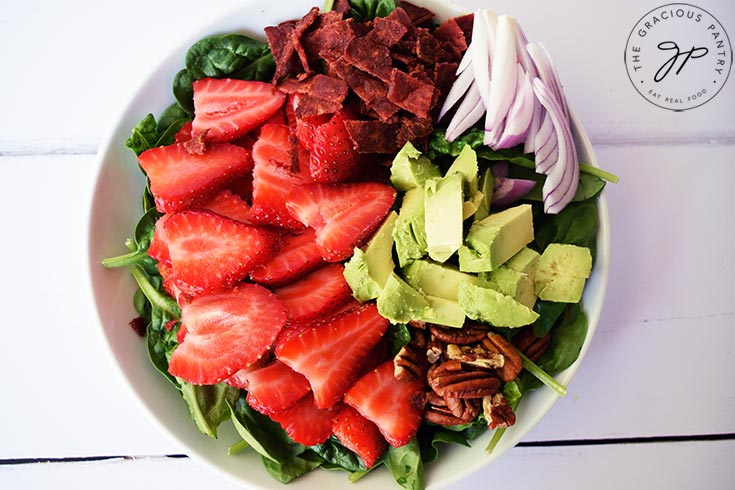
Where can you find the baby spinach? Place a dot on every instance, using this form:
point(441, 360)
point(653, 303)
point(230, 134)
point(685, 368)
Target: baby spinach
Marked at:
point(576, 224)
point(293, 468)
point(364, 10)
point(567, 340)
point(338, 457)
point(229, 56)
point(406, 465)
point(149, 134)
point(209, 405)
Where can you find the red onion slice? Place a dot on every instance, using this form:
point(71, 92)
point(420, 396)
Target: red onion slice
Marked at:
point(504, 74)
point(468, 113)
point(562, 180)
point(520, 114)
point(482, 47)
point(507, 191)
point(459, 87)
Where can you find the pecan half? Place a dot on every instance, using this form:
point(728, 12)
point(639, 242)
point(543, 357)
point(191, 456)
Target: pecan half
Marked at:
point(512, 365)
point(470, 333)
point(533, 347)
point(451, 411)
point(475, 356)
point(452, 379)
point(497, 411)
point(410, 362)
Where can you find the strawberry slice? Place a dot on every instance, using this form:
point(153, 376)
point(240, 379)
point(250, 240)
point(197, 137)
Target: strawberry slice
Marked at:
point(180, 179)
point(239, 378)
point(210, 252)
point(343, 215)
point(275, 387)
point(298, 256)
point(184, 134)
point(306, 128)
point(225, 108)
point(330, 353)
point(229, 205)
point(273, 180)
point(315, 294)
point(158, 249)
point(333, 155)
point(359, 435)
point(304, 422)
point(226, 331)
point(395, 406)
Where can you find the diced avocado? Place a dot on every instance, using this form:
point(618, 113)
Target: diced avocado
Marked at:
point(445, 312)
point(495, 239)
point(466, 165)
point(561, 272)
point(411, 169)
point(367, 271)
point(490, 306)
point(470, 207)
point(524, 261)
point(434, 279)
point(511, 283)
point(400, 303)
point(487, 182)
point(409, 232)
point(443, 216)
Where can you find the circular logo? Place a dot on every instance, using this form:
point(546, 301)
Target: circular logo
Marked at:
point(678, 56)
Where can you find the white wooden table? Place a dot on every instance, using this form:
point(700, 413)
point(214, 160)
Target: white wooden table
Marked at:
point(653, 404)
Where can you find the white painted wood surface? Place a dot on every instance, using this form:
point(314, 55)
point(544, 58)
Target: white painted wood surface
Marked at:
point(661, 366)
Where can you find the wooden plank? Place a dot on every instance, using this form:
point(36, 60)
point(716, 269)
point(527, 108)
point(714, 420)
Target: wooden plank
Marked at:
point(672, 465)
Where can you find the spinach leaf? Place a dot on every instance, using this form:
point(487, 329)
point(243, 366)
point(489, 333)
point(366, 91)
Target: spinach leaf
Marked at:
point(139, 254)
point(397, 336)
point(566, 341)
point(293, 468)
point(363, 10)
point(406, 466)
point(549, 312)
point(209, 405)
point(430, 438)
point(264, 435)
point(161, 343)
point(336, 456)
point(149, 134)
point(228, 56)
point(575, 224)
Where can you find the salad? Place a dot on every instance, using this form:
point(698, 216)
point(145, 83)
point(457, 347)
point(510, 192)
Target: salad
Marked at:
point(364, 237)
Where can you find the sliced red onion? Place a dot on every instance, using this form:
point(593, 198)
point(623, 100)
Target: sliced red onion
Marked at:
point(482, 47)
point(545, 145)
point(468, 113)
point(520, 114)
point(547, 73)
point(504, 74)
point(562, 180)
point(459, 87)
point(507, 191)
point(500, 169)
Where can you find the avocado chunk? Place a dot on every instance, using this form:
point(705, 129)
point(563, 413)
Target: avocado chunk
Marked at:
point(511, 283)
point(409, 232)
point(443, 201)
point(433, 279)
point(493, 307)
point(367, 271)
point(466, 165)
point(487, 182)
point(495, 239)
point(444, 312)
point(411, 169)
point(561, 272)
point(400, 303)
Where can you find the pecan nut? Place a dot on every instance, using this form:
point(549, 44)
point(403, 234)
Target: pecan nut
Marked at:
point(475, 356)
point(470, 333)
point(512, 364)
point(533, 347)
point(410, 362)
point(497, 411)
point(451, 411)
point(452, 379)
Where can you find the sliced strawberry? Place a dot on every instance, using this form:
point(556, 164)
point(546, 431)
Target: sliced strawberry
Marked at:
point(330, 353)
point(225, 332)
point(229, 205)
point(305, 423)
point(306, 128)
point(210, 252)
point(225, 108)
point(239, 378)
point(359, 435)
point(183, 134)
point(343, 215)
point(333, 155)
point(395, 406)
point(158, 249)
point(180, 179)
point(273, 180)
point(169, 282)
point(298, 256)
point(315, 294)
point(275, 387)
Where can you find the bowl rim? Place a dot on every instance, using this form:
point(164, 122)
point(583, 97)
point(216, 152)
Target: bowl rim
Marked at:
point(510, 439)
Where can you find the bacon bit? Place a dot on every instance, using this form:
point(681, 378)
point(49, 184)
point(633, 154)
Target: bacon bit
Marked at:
point(138, 325)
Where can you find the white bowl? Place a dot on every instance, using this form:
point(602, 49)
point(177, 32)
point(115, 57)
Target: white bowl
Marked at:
point(115, 208)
